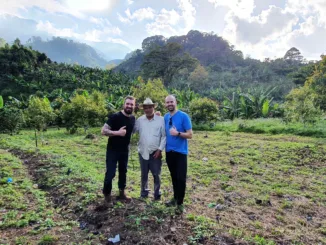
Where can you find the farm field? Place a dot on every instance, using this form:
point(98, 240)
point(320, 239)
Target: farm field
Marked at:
point(241, 189)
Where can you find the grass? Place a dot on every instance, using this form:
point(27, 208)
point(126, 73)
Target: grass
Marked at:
point(272, 188)
point(271, 126)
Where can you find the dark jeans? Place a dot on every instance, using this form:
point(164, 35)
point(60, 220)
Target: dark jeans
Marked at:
point(112, 158)
point(154, 165)
point(177, 164)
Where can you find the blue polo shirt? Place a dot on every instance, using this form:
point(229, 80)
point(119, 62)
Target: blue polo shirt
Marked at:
point(181, 121)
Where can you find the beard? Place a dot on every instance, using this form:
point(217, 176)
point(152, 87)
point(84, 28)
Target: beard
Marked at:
point(127, 111)
point(171, 108)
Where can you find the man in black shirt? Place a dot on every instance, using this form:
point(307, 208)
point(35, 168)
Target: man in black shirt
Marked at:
point(119, 128)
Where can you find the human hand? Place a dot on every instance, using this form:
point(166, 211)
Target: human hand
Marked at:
point(157, 154)
point(122, 131)
point(174, 132)
point(158, 113)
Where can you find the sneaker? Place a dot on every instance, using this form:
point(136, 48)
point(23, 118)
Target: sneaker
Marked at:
point(171, 203)
point(180, 209)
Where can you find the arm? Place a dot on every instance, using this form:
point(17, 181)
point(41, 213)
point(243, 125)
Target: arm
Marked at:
point(187, 134)
point(158, 153)
point(106, 131)
point(136, 127)
point(163, 137)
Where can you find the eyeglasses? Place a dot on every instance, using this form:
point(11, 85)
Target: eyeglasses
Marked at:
point(170, 121)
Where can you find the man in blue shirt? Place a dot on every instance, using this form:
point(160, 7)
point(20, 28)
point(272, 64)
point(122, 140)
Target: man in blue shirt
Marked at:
point(178, 130)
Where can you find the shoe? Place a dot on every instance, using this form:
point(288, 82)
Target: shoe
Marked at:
point(171, 203)
point(123, 196)
point(107, 198)
point(180, 209)
point(158, 198)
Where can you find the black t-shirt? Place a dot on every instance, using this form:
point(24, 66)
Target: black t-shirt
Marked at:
point(116, 121)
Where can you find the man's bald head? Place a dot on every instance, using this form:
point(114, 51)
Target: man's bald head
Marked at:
point(170, 97)
point(171, 103)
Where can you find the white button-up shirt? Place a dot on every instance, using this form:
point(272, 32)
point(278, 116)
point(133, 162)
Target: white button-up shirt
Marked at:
point(151, 135)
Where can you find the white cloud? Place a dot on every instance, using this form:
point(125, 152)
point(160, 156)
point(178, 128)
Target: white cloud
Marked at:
point(188, 13)
point(138, 15)
point(167, 22)
point(271, 24)
point(94, 35)
point(51, 6)
point(130, 2)
point(240, 8)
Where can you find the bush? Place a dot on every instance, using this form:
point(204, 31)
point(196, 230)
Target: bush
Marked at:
point(153, 89)
point(39, 113)
point(11, 119)
point(203, 110)
point(84, 111)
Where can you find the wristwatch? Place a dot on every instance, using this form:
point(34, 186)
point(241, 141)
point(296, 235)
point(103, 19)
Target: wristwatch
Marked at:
point(179, 133)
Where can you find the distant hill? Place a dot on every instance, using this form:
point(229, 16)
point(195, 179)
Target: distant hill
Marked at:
point(208, 64)
point(68, 51)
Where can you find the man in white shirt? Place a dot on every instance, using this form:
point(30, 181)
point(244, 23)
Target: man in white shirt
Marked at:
point(152, 139)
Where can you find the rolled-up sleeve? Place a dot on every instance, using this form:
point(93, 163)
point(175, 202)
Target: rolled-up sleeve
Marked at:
point(163, 137)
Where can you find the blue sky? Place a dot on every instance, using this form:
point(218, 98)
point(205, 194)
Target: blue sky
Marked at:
point(259, 28)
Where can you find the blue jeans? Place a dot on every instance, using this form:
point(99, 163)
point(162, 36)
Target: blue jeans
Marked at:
point(112, 158)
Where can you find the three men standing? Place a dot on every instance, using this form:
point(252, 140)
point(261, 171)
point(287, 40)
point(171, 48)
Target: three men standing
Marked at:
point(156, 133)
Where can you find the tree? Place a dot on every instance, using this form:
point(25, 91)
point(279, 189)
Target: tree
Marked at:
point(2, 42)
point(153, 89)
point(203, 110)
point(198, 78)
point(11, 117)
point(153, 42)
point(293, 55)
point(166, 61)
point(300, 106)
point(84, 111)
point(39, 113)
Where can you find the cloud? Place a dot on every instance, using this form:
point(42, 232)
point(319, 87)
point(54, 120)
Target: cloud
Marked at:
point(100, 21)
point(167, 22)
point(240, 8)
point(51, 6)
point(130, 2)
point(188, 13)
point(271, 23)
point(94, 35)
point(138, 15)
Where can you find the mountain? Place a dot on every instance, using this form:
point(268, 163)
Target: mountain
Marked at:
point(12, 27)
point(208, 64)
point(68, 51)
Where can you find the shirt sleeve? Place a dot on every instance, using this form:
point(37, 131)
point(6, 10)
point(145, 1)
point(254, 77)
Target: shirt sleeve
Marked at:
point(111, 120)
point(136, 127)
point(163, 137)
point(186, 122)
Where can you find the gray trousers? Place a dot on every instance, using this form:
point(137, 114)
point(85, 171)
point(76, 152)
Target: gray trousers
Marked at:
point(155, 166)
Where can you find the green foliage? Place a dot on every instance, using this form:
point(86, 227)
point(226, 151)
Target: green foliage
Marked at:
point(1, 102)
point(203, 110)
point(39, 113)
point(11, 118)
point(164, 62)
point(84, 111)
point(307, 103)
point(184, 97)
point(153, 89)
point(301, 106)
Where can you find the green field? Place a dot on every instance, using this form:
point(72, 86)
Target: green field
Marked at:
point(242, 189)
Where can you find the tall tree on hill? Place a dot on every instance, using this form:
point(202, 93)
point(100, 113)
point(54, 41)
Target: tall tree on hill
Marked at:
point(293, 55)
point(164, 62)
